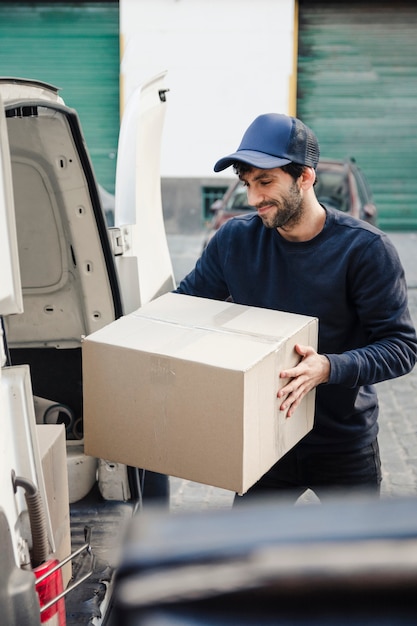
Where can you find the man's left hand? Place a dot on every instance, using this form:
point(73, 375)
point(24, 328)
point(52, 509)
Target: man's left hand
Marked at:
point(312, 370)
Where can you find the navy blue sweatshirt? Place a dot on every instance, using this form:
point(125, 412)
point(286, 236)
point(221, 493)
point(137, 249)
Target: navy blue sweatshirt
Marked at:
point(350, 277)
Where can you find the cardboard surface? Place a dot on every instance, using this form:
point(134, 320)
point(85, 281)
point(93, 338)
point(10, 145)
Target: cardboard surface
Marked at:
point(52, 448)
point(187, 387)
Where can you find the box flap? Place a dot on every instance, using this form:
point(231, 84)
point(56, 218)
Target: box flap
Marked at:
point(220, 315)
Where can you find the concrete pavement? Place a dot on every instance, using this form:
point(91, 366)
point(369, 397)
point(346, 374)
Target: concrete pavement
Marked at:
point(398, 398)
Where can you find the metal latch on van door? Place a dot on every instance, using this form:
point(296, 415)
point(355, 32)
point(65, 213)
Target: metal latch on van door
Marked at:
point(117, 241)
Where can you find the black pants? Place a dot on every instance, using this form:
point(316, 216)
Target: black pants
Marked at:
point(325, 473)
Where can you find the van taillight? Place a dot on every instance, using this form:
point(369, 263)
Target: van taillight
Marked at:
point(49, 584)
point(49, 587)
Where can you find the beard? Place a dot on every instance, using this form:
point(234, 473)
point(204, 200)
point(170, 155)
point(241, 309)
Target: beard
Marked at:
point(288, 211)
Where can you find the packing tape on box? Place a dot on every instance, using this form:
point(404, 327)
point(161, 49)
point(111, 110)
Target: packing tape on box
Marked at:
point(254, 336)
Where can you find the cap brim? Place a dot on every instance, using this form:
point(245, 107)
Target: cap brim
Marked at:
point(251, 157)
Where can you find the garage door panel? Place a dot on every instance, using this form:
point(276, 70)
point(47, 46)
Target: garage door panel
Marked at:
point(357, 87)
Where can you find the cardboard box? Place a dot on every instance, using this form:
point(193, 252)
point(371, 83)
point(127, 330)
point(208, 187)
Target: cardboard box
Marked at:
point(187, 387)
point(52, 448)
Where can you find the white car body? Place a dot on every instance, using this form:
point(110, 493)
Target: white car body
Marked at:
point(64, 274)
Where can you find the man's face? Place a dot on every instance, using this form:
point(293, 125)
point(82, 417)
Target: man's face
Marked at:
point(275, 195)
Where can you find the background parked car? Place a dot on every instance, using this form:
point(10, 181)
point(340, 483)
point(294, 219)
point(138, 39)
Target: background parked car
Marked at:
point(343, 185)
point(340, 184)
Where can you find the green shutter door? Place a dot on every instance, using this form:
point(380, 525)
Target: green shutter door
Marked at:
point(74, 46)
point(357, 88)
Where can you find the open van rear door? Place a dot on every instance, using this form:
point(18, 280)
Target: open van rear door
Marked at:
point(19, 453)
point(144, 259)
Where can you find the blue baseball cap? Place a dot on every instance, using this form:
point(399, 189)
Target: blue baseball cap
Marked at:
point(274, 140)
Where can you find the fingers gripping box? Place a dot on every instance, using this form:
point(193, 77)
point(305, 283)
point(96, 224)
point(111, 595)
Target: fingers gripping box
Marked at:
point(188, 387)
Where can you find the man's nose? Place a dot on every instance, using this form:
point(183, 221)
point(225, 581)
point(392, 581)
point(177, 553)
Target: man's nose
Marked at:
point(253, 196)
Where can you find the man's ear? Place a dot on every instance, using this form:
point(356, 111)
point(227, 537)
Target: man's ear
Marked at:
point(308, 177)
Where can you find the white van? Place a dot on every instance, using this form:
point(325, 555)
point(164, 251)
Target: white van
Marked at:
point(65, 274)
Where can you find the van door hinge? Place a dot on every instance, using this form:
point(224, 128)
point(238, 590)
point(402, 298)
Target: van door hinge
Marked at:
point(117, 241)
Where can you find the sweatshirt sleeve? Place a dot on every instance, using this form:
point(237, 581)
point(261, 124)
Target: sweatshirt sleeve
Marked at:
point(206, 280)
point(379, 293)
